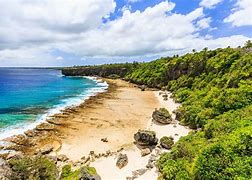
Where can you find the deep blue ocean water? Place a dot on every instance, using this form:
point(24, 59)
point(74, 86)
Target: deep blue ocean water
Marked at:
point(29, 95)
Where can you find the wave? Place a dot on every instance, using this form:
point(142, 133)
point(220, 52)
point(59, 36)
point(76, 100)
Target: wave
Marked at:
point(101, 86)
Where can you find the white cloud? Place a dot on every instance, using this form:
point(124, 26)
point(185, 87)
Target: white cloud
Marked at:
point(59, 58)
point(242, 14)
point(210, 3)
point(33, 29)
point(134, 1)
point(204, 23)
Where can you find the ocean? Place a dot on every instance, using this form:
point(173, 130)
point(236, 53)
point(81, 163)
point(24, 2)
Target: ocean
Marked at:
point(29, 96)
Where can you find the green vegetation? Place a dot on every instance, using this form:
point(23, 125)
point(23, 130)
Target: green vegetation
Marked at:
point(33, 168)
point(215, 90)
point(84, 172)
point(167, 142)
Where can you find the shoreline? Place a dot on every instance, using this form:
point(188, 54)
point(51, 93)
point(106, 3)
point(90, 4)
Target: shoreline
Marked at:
point(115, 115)
point(68, 103)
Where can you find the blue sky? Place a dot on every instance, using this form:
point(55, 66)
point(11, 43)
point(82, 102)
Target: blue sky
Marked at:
point(79, 32)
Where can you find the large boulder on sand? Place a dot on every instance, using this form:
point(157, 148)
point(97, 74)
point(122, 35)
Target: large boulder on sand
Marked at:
point(122, 161)
point(167, 142)
point(162, 116)
point(145, 138)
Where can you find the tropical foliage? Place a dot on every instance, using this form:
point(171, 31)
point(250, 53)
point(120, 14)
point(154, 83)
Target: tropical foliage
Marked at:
point(215, 89)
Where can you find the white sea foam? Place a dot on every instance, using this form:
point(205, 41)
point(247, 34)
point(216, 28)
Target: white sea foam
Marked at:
point(66, 103)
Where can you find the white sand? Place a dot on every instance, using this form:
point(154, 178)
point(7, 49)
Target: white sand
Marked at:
point(106, 167)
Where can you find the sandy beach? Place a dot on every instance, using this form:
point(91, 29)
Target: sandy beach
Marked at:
point(115, 115)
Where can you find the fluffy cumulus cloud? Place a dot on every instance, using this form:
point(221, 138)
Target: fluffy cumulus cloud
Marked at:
point(32, 30)
point(210, 3)
point(242, 14)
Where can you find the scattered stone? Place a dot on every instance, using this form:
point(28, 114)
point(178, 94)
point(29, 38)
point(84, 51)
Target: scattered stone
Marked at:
point(52, 158)
point(4, 156)
point(1, 147)
point(143, 87)
point(176, 134)
point(46, 149)
point(122, 161)
point(5, 171)
point(45, 127)
point(120, 150)
point(104, 140)
point(54, 121)
point(162, 116)
point(19, 139)
point(178, 114)
point(145, 152)
point(62, 158)
point(15, 155)
point(91, 153)
point(77, 163)
point(167, 142)
point(138, 172)
point(30, 133)
point(86, 160)
point(165, 96)
point(145, 138)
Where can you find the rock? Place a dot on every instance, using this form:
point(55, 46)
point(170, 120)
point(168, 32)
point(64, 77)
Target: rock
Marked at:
point(166, 142)
point(162, 116)
point(178, 114)
point(143, 87)
point(20, 140)
point(1, 147)
point(4, 156)
point(122, 161)
point(5, 170)
point(139, 172)
point(121, 149)
point(145, 152)
point(15, 155)
point(165, 96)
point(62, 158)
point(88, 173)
point(45, 127)
point(52, 158)
point(30, 133)
point(104, 140)
point(86, 160)
point(46, 149)
point(54, 121)
point(150, 165)
point(145, 138)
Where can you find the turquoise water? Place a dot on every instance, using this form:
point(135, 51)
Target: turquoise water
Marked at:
point(28, 96)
